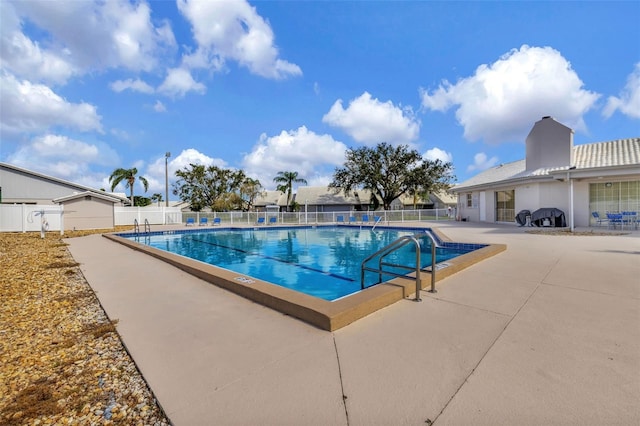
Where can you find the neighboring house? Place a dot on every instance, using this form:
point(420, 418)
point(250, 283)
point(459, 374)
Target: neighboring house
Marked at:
point(22, 186)
point(84, 207)
point(325, 200)
point(270, 198)
point(436, 200)
point(598, 177)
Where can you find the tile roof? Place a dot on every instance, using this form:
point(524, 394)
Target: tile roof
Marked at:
point(620, 152)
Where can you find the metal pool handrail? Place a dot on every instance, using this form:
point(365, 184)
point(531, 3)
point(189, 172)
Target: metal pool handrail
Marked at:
point(377, 222)
point(394, 246)
point(136, 226)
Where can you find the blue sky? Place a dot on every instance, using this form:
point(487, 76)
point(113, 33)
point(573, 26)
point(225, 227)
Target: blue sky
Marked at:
point(88, 87)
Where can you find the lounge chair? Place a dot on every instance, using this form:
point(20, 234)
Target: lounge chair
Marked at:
point(599, 220)
point(190, 221)
point(352, 219)
point(340, 219)
point(365, 218)
point(273, 220)
point(204, 221)
point(260, 221)
point(216, 221)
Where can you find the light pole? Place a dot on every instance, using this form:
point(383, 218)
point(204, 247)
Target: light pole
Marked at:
point(166, 177)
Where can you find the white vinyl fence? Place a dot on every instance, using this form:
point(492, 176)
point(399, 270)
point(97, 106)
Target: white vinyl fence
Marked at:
point(153, 214)
point(31, 218)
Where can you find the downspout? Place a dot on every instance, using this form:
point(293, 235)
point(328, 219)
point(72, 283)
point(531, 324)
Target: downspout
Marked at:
point(571, 221)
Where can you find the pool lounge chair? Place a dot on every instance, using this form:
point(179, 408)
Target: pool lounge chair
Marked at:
point(352, 219)
point(599, 220)
point(260, 221)
point(216, 221)
point(340, 219)
point(190, 221)
point(365, 218)
point(204, 221)
point(272, 220)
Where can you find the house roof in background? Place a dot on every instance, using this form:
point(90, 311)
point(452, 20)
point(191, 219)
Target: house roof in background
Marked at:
point(96, 194)
point(322, 195)
point(80, 188)
point(268, 198)
point(610, 154)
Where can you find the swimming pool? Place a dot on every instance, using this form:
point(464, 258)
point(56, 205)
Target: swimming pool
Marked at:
point(321, 312)
point(323, 262)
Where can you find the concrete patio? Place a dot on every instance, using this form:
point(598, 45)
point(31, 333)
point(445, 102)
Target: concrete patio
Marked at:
point(547, 332)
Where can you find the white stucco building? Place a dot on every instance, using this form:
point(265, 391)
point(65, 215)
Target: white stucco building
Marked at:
point(601, 177)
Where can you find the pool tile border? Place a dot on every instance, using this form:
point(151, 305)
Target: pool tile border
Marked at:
point(321, 313)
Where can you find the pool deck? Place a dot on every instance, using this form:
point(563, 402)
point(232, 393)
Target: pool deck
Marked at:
point(546, 332)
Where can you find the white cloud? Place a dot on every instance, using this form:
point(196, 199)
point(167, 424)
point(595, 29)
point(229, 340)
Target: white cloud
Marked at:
point(28, 107)
point(628, 103)
point(66, 158)
point(501, 101)
point(26, 58)
point(179, 82)
point(136, 85)
point(299, 150)
point(159, 107)
point(370, 121)
point(482, 162)
point(438, 154)
point(86, 35)
point(234, 30)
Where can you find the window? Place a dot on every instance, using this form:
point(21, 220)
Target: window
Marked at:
point(469, 200)
point(614, 197)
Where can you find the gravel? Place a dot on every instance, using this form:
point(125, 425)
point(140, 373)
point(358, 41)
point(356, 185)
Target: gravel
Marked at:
point(61, 359)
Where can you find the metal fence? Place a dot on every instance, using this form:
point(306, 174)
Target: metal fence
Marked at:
point(301, 218)
point(28, 218)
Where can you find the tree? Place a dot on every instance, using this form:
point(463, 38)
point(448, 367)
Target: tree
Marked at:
point(249, 191)
point(388, 172)
point(209, 186)
point(285, 181)
point(128, 175)
point(157, 197)
point(141, 201)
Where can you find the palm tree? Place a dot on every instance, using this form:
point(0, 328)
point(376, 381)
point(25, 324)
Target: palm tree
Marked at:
point(157, 197)
point(128, 175)
point(285, 181)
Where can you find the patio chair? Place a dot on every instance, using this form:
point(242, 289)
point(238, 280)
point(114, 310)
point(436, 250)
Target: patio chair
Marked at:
point(630, 219)
point(599, 220)
point(340, 219)
point(260, 221)
point(203, 221)
point(615, 219)
point(272, 220)
point(352, 219)
point(190, 221)
point(216, 221)
point(365, 218)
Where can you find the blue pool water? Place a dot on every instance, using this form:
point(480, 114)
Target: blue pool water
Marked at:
point(320, 261)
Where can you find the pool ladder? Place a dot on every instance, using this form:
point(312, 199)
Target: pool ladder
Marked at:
point(136, 226)
point(397, 245)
